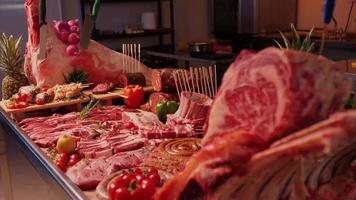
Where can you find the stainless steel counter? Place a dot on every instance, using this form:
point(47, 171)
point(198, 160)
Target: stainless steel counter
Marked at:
point(55, 178)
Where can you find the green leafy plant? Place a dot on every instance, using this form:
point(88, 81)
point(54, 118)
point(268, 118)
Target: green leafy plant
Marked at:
point(76, 76)
point(85, 112)
point(296, 43)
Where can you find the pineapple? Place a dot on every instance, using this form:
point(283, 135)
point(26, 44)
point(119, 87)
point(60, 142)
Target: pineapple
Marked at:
point(11, 64)
point(297, 44)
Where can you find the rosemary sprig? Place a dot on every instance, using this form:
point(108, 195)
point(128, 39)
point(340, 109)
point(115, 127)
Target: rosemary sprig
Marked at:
point(85, 112)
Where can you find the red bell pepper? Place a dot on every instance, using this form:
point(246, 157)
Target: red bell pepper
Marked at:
point(133, 96)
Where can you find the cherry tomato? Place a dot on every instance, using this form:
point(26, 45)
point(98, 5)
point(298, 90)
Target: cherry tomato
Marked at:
point(73, 159)
point(139, 178)
point(139, 193)
point(40, 101)
point(148, 188)
point(122, 194)
point(61, 166)
point(152, 170)
point(126, 179)
point(63, 158)
point(155, 179)
point(137, 170)
point(112, 187)
point(24, 97)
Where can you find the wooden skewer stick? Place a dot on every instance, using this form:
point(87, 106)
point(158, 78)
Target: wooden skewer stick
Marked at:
point(183, 79)
point(206, 75)
point(205, 81)
point(211, 86)
point(216, 79)
point(187, 80)
point(192, 78)
point(197, 78)
point(139, 57)
point(211, 81)
point(179, 82)
point(181, 76)
point(202, 80)
point(124, 56)
point(176, 83)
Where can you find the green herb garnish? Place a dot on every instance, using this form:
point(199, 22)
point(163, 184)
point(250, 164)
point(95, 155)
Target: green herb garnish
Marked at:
point(85, 112)
point(76, 76)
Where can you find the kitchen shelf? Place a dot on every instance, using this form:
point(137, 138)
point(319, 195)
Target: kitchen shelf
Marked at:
point(112, 35)
point(122, 1)
point(86, 5)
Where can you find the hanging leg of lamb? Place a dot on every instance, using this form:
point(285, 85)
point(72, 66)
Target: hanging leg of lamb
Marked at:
point(275, 92)
point(314, 163)
point(101, 63)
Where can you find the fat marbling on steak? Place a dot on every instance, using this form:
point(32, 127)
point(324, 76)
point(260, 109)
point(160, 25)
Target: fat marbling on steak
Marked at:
point(275, 92)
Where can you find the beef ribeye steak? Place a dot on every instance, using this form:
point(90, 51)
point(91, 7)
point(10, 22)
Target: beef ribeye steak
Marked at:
point(275, 92)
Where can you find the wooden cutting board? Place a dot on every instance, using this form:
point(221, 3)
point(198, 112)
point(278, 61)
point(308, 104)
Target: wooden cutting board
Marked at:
point(54, 104)
point(113, 94)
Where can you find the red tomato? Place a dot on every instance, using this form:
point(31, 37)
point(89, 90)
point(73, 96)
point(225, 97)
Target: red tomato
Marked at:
point(61, 166)
point(112, 187)
point(127, 178)
point(10, 105)
point(40, 101)
point(139, 193)
point(152, 170)
point(137, 170)
point(139, 178)
point(73, 159)
point(148, 188)
point(63, 158)
point(21, 104)
point(122, 194)
point(24, 97)
point(155, 179)
point(134, 96)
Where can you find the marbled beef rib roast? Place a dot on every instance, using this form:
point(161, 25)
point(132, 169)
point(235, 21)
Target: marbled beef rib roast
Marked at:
point(101, 63)
point(250, 150)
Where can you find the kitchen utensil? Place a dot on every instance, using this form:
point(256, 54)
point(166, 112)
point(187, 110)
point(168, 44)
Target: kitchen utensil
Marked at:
point(43, 29)
point(88, 26)
point(199, 48)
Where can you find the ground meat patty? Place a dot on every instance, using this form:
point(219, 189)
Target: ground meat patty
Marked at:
point(131, 78)
point(163, 80)
point(103, 87)
point(158, 97)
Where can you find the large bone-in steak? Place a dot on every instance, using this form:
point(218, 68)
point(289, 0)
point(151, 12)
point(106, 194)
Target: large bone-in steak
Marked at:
point(101, 63)
point(275, 92)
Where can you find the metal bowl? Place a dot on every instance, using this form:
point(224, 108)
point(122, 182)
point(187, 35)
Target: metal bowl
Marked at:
point(199, 47)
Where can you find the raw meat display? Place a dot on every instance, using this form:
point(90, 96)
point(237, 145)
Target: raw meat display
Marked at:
point(193, 108)
point(102, 121)
point(101, 63)
point(275, 92)
point(172, 155)
point(149, 126)
point(314, 163)
point(89, 172)
point(157, 97)
point(163, 80)
point(125, 79)
point(103, 87)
